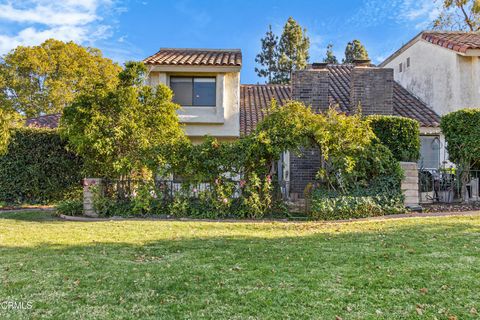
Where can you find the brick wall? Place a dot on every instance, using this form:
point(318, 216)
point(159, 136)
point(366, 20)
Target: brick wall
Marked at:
point(373, 89)
point(303, 170)
point(310, 86)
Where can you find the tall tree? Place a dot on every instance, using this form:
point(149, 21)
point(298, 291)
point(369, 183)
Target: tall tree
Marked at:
point(268, 57)
point(355, 50)
point(462, 15)
point(330, 56)
point(44, 79)
point(122, 131)
point(293, 50)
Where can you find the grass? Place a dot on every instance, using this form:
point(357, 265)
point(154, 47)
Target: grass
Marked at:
point(422, 268)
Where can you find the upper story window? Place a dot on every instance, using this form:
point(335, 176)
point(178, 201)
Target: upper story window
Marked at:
point(408, 62)
point(194, 91)
point(400, 67)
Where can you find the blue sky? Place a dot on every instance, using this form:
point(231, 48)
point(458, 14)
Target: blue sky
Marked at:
point(134, 29)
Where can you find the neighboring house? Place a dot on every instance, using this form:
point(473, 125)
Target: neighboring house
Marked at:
point(443, 70)
point(206, 83)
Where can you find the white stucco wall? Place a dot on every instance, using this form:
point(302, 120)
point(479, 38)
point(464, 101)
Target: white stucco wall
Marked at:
point(444, 80)
point(221, 121)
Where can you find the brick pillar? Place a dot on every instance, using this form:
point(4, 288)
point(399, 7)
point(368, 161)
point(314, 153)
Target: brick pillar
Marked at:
point(410, 184)
point(90, 187)
point(310, 86)
point(372, 88)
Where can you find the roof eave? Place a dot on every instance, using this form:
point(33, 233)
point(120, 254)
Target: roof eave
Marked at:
point(402, 49)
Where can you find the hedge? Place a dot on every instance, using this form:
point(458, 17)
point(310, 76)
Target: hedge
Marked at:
point(462, 134)
point(401, 135)
point(37, 168)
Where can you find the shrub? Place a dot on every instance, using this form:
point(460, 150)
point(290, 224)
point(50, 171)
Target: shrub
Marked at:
point(362, 203)
point(37, 168)
point(400, 135)
point(462, 135)
point(70, 207)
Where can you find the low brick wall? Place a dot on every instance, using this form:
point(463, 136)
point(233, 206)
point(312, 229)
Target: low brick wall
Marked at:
point(410, 184)
point(90, 186)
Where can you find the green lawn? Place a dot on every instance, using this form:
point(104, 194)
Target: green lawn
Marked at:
point(410, 268)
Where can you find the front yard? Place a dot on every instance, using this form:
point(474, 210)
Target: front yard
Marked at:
point(407, 268)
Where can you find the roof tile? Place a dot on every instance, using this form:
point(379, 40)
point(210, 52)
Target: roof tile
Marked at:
point(196, 57)
point(457, 41)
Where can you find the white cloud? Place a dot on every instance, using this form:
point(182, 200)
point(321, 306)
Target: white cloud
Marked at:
point(34, 21)
point(418, 12)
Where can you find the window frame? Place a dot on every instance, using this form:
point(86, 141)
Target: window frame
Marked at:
point(193, 89)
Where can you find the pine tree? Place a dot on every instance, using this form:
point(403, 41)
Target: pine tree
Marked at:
point(355, 50)
point(293, 51)
point(330, 56)
point(268, 57)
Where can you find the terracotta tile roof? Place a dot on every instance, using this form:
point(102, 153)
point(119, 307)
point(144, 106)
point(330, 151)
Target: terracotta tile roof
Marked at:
point(196, 57)
point(255, 100)
point(47, 121)
point(457, 41)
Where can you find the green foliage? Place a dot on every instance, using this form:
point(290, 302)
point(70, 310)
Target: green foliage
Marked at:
point(292, 50)
point(462, 134)
point(7, 122)
point(382, 196)
point(123, 131)
point(279, 58)
point(69, 207)
point(330, 56)
point(400, 135)
point(342, 141)
point(355, 50)
point(37, 168)
point(461, 15)
point(268, 57)
point(46, 78)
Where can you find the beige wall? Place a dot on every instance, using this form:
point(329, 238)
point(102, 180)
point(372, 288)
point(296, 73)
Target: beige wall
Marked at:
point(444, 80)
point(221, 121)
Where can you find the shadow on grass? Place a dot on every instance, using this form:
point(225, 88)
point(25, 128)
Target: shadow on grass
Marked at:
point(372, 272)
point(34, 216)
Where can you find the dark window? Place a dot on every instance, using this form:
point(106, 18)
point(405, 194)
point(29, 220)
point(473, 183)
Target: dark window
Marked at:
point(194, 91)
point(429, 152)
point(408, 62)
point(400, 67)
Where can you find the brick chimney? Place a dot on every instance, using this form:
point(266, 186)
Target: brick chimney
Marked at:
point(372, 88)
point(310, 86)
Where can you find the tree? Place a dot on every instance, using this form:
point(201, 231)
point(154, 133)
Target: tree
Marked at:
point(355, 50)
point(44, 79)
point(122, 131)
point(268, 57)
point(462, 15)
point(6, 119)
point(330, 56)
point(293, 50)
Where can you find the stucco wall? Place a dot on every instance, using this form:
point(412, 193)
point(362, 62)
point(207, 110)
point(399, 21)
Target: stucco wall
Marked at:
point(222, 121)
point(443, 79)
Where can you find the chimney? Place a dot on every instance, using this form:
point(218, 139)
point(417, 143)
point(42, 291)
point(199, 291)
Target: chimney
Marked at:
point(372, 89)
point(363, 63)
point(319, 65)
point(310, 86)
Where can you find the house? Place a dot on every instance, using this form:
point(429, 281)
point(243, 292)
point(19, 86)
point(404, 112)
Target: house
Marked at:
point(443, 70)
point(206, 83)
